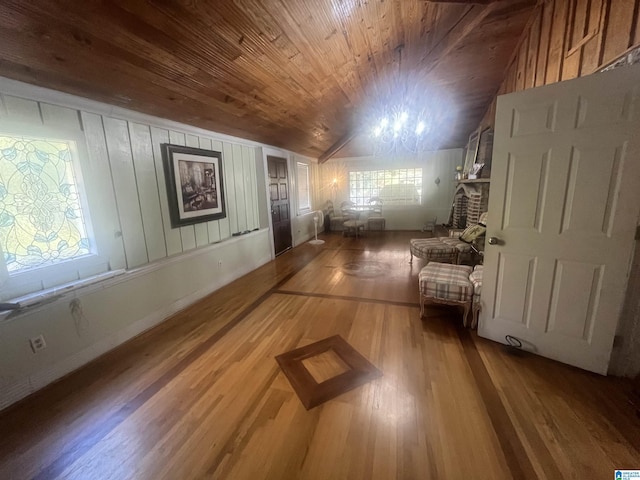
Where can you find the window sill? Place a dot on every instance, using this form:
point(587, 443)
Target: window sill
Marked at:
point(36, 300)
point(42, 297)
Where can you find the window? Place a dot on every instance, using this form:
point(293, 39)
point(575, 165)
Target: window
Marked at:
point(42, 219)
point(304, 198)
point(402, 186)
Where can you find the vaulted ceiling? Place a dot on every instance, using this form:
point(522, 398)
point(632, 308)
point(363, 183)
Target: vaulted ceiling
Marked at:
point(302, 75)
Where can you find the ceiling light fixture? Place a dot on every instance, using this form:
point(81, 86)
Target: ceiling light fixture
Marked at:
point(400, 130)
point(399, 124)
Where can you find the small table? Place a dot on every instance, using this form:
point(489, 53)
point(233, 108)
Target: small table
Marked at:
point(358, 211)
point(354, 225)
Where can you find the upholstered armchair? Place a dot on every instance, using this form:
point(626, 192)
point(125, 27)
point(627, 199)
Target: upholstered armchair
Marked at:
point(449, 249)
point(452, 285)
point(336, 220)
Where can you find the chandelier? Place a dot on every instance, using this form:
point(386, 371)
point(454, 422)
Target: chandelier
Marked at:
point(405, 112)
point(400, 129)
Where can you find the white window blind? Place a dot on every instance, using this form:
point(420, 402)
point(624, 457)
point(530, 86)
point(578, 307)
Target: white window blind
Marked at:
point(304, 197)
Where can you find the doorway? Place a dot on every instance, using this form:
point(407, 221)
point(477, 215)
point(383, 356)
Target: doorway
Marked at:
point(280, 206)
point(563, 212)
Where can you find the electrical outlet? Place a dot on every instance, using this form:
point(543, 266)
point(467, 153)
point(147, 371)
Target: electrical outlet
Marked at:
point(219, 263)
point(37, 343)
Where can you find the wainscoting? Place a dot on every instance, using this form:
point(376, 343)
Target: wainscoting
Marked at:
point(166, 268)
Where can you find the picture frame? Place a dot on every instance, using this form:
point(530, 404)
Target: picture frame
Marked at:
point(485, 151)
point(195, 187)
point(472, 151)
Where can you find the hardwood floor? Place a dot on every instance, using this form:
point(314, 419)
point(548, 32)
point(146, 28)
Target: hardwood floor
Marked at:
point(201, 396)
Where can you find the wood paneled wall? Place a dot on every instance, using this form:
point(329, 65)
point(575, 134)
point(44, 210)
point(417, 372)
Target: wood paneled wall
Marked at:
point(132, 212)
point(567, 39)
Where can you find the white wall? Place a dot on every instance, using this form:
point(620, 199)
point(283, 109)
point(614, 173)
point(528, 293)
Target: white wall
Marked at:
point(166, 269)
point(436, 197)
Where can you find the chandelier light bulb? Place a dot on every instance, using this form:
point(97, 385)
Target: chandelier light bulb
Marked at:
point(399, 128)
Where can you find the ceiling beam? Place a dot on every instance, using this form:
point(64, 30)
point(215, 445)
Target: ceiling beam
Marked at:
point(336, 147)
point(473, 18)
point(456, 36)
point(470, 21)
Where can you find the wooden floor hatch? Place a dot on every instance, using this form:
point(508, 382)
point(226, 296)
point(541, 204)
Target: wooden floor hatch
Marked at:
point(326, 369)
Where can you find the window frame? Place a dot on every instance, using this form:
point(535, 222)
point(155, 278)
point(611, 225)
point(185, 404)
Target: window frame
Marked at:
point(31, 281)
point(302, 166)
point(362, 199)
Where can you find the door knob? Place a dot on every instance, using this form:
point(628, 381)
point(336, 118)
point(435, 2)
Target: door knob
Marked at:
point(494, 240)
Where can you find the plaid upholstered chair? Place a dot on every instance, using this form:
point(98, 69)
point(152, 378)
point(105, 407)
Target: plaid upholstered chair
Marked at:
point(448, 249)
point(441, 249)
point(446, 284)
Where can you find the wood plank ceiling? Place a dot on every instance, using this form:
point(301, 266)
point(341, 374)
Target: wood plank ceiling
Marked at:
point(295, 74)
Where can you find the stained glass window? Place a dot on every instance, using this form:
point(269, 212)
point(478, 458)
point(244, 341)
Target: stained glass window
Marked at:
point(41, 218)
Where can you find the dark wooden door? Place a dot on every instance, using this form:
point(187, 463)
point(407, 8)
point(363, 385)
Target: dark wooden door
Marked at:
point(280, 208)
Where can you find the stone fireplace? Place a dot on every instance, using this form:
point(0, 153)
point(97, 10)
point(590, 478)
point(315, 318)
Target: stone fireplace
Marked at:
point(471, 198)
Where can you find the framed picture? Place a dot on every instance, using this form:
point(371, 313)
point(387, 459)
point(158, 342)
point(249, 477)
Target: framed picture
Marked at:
point(194, 184)
point(472, 151)
point(485, 151)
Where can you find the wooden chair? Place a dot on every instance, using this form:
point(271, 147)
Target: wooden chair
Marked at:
point(352, 225)
point(376, 221)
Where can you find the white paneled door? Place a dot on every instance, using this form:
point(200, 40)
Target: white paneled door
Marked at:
point(565, 199)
